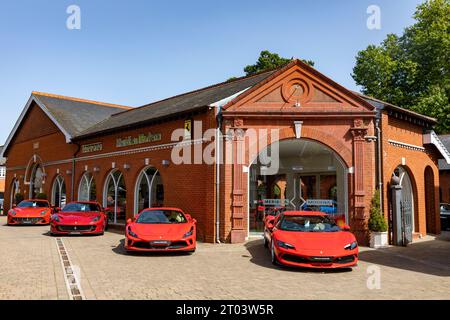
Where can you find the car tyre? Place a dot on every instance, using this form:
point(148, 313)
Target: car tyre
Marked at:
point(266, 242)
point(273, 255)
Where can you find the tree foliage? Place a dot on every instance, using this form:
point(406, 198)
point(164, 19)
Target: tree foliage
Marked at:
point(412, 70)
point(268, 60)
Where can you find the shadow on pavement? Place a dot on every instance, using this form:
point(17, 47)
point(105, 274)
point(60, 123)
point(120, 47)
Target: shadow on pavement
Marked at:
point(261, 257)
point(429, 257)
point(120, 249)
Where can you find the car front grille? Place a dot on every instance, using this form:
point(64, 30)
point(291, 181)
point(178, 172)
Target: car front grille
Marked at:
point(169, 245)
point(27, 220)
point(76, 228)
point(317, 259)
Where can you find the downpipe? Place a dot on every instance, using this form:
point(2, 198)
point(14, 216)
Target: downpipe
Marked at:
point(217, 182)
point(379, 160)
point(73, 172)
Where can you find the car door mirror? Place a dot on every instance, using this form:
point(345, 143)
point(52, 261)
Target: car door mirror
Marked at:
point(270, 225)
point(194, 221)
point(129, 221)
point(188, 216)
point(346, 227)
point(14, 205)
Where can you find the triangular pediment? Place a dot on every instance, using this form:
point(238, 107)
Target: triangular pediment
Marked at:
point(299, 88)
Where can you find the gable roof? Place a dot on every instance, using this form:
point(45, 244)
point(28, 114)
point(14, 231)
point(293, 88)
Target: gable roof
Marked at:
point(70, 115)
point(185, 102)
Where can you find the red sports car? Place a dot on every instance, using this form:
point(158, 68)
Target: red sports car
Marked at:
point(161, 229)
point(310, 239)
point(30, 212)
point(81, 217)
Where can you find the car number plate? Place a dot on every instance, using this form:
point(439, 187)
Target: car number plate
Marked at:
point(160, 242)
point(26, 222)
point(75, 232)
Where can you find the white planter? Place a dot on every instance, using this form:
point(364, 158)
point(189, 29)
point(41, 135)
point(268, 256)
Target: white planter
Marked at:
point(378, 239)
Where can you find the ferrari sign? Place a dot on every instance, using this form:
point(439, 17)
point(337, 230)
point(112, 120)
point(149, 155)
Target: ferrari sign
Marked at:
point(140, 139)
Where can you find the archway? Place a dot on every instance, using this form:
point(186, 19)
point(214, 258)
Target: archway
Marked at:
point(14, 190)
point(87, 189)
point(315, 179)
point(114, 197)
point(430, 202)
point(403, 217)
point(36, 181)
point(149, 190)
point(59, 192)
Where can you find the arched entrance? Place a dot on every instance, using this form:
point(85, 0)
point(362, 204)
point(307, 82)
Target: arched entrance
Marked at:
point(403, 208)
point(14, 190)
point(36, 181)
point(311, 176)
point(87, 190)
point(114, 197)
point(430, 202)
point(149, 190)
point(59, 192)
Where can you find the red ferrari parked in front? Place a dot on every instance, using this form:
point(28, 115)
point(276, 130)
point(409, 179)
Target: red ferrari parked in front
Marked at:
point(76, 218)
point(310, 239)
point(161, 229)
point(30, 212)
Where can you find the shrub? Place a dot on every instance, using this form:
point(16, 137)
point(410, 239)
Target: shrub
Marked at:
point(18, 198)
point(41, 196)
point(377, 223)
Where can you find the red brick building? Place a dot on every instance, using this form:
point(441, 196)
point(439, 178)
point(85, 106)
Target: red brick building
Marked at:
point(304, 142)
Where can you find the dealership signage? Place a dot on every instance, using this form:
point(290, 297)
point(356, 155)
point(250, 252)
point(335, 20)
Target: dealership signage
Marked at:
point(275, 202)
point(93, 147)
point(140, 139)
point(319, 202)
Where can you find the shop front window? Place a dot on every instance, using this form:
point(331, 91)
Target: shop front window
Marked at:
point(149, 190)
point(59, 192)
point(115, 195)
point(87, 190)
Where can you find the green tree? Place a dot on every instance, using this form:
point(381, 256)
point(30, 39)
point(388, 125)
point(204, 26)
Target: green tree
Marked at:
point(268, 60)
point(412, 70)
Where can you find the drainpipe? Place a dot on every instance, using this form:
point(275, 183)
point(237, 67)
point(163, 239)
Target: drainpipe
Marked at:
point(379, 158)
point(217, 183)
point(73, 171)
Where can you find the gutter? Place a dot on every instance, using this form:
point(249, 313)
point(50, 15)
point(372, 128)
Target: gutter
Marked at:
point(73, 171)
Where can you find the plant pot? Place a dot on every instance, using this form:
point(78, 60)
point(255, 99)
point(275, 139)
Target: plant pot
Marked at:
point(378, 239)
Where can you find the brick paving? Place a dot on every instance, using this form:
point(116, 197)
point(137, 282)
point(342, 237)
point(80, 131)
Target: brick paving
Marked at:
point(30, 269)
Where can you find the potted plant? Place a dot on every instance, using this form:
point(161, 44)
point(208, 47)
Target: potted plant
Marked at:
point(377, 224)
point(41, 196)
point(18, 198)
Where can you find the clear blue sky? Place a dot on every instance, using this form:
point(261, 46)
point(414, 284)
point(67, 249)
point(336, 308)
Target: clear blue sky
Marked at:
point(134, 52)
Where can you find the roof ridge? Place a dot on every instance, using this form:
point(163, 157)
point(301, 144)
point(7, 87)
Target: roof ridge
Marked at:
point(57, 96)
point(200, 89)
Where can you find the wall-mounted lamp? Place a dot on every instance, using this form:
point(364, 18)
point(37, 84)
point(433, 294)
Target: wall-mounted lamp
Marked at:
point(298, 129)
point(147, 161)
point(69, 172)
point(126, 166)
point(165, 163)
point(96, 169)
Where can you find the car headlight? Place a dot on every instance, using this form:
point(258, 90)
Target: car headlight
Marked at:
point(95, 219)
point(131, 233)
point(285, 245)
point(12, 212)
point(189, 233)
point(43, 212)
point(55, 217)
point(351, 246)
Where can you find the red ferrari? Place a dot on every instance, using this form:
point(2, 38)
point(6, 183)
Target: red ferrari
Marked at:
point(76, 218)
point(310, 239)
point(161, 229)
point(30, 212)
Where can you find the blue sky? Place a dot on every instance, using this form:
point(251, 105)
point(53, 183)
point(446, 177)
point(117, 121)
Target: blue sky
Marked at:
point(134, 52)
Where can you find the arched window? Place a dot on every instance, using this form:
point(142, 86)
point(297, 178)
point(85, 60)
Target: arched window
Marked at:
point(114, 197)
point(37, 176)
point(14, 190)
point(149, 190)
point(87, 190)
point(59, 192)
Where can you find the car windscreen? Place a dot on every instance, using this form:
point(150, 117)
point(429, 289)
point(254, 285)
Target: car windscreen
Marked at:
point(308, 224)
point(33, 204)
point(161, 216)
point(80, 207)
